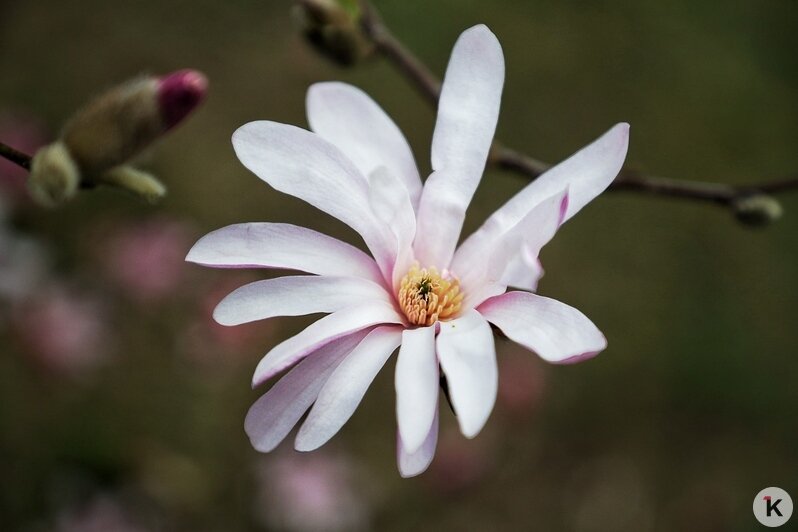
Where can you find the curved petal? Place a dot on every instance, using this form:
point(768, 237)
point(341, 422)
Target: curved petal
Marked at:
point(348, 118)
point(468, 359)
point(295, 296)
point(273, 245)
point(468, 110)
point(585, 174)
point(302, 164)
point(523, 271)
point(322, 332)
point(275, 413)
point(417, 381)
point(345, 388)
point(415, 463)
point(391, 205)
point(553, 330)
point(481, 274)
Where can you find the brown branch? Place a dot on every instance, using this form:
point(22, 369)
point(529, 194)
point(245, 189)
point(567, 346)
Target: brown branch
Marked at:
point(779, 185)
point(16, 157)
point(429, 86)
point(408, 64)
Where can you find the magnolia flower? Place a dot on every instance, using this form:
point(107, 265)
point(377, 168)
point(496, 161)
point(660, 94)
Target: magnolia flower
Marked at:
point(417, 291)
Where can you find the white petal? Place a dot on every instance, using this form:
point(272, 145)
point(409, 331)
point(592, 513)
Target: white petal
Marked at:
point(302, 164)
point(348, 118)
point(417, 382)
point(345, 388)
point(322, 332)
point(468, 359)
point(415, 463)
point(285, 246)
point(391, 205)
point(481, 269)
point(295, 296)
point(553, 330)
point(533, 232)
point(586, 174)
point(272, 417)
point(467, 114)
point(523, 271)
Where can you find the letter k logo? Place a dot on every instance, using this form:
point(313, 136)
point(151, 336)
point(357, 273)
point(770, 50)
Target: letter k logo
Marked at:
point(772, 506)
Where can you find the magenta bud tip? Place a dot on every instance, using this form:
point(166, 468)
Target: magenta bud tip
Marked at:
point(179, 93)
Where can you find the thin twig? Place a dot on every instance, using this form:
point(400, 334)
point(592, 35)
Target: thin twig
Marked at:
point(429, 86)
point(16, 157)
point(408, 64)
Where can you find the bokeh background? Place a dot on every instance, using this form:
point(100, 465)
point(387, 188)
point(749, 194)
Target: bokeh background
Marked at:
point(122, 404)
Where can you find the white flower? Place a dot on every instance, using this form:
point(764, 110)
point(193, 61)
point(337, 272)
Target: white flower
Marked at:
point(419, 292)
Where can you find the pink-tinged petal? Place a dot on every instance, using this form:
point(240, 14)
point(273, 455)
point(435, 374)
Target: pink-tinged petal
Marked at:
point(533, 232)
point(320, 333)
point(556, 332)
point(468, 358)
point(285, 246)
point(275, 413)
point(481, 268)
point(348, 118)
point(391, 205)
point(585, 174)
point(296, 296)
point(345, 388)
point(467, 114)
point(523, 271)
point(415, 463)
point(417, 381)
point(300, 163)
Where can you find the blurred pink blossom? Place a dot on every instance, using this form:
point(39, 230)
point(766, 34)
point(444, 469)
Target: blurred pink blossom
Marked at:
point(461, 464)
point(63, 329)
point(523, 381)
point(310, 493)
point(208, 342)
point(23, 265)
point(101, 514)
point(23, 132)
point(232, 338)
point(146, 258)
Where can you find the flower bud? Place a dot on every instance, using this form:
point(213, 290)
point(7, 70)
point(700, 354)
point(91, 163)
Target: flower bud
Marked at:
point(54, 176)
point(757, 210)
point(122, 122)
point(179, 93)
point(102, 137)
point(331, 30)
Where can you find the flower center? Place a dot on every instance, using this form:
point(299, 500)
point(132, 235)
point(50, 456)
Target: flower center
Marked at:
point(425, 297)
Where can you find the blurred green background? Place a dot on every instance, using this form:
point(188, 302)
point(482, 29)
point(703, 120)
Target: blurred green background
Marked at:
point(686, 416)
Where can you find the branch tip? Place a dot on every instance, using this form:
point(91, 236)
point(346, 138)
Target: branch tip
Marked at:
point(750, 204)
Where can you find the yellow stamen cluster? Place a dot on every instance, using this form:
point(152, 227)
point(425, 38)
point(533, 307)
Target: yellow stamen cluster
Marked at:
point(425, 297)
